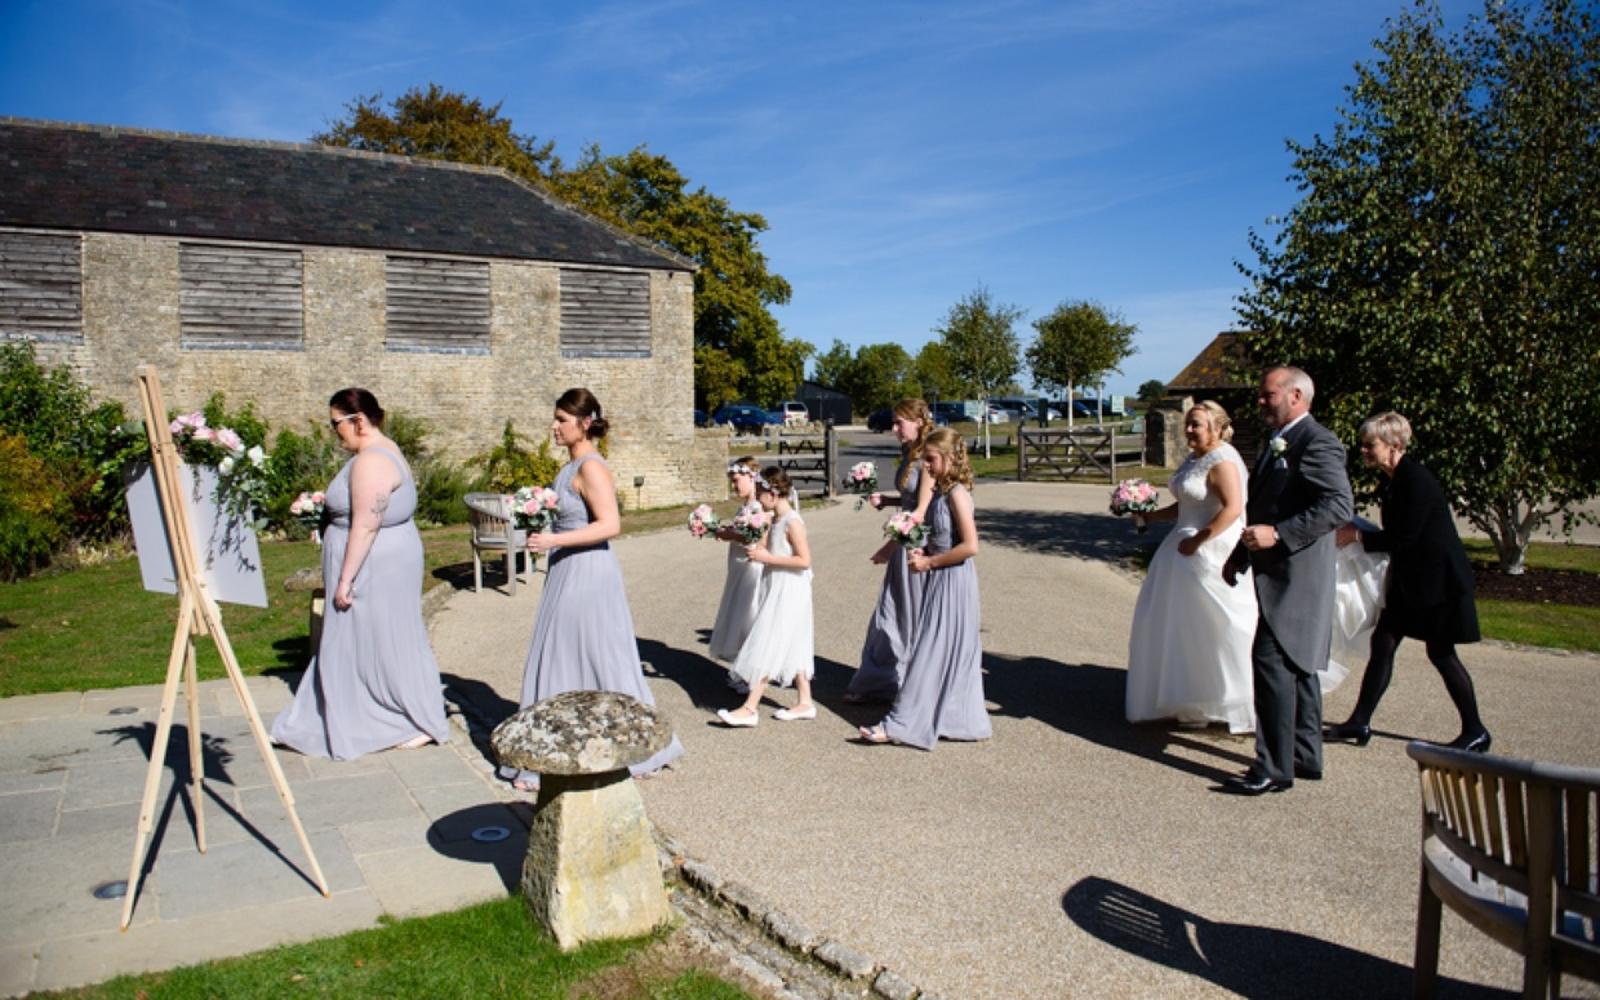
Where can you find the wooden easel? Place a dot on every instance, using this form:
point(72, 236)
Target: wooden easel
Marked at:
point(198, 614)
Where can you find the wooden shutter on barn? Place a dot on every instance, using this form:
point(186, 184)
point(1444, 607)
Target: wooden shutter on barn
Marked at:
point(435, 305)
point(240, 298)
point(604, 314)
point(41, 286)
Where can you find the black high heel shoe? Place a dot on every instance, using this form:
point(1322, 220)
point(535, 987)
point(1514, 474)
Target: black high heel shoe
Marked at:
point(1349, 732)
point(1477, 743)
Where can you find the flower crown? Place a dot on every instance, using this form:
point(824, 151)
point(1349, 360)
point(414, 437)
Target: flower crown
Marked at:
point(738, 469)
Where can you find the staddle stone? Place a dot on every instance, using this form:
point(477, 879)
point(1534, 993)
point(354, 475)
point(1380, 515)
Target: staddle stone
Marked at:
point(591, 871)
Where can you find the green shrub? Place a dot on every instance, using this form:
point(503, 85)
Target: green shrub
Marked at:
point(441, 485)
point(299, 463)
point(509, 465)
point(35, 508)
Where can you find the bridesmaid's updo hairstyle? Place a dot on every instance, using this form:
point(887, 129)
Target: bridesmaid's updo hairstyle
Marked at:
point(354, 400)
point(580, 402)
point(914, 409)
point(1221, 423)
point(774, 480)
point(953, 447)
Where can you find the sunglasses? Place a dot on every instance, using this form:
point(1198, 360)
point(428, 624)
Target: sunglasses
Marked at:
point(334, 422)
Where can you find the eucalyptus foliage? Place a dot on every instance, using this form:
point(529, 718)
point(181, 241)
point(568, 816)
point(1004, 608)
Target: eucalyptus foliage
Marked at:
point(1444, 260)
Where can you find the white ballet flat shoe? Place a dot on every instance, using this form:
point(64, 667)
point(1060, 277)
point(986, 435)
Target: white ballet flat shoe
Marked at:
point(794, 715)
point(738, 721)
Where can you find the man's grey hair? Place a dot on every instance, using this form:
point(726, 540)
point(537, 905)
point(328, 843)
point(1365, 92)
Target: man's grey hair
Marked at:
point(1296, 378)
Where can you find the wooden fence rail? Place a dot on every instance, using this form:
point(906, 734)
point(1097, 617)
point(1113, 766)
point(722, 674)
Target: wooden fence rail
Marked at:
point(810, 455)
point(1061, 454)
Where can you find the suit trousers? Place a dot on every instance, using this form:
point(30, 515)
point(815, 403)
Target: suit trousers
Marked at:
point(1288, 710)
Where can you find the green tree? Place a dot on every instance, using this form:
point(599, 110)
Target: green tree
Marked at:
point(740, 350)
point(832, 367)
point(1441, 262)
point(437, 124)
point(1152, 392)
point(879, 377)
point(932, 373)
point(1078, 344)
point(980, 336)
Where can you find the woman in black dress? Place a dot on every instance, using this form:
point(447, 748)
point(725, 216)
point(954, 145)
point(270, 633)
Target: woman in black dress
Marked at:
point(1429, 594)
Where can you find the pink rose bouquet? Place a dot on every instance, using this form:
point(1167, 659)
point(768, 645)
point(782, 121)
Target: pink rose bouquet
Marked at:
point(751, 524)
point(1136, 497)
point(907, 529)
point(703, 521)
point(861, 480)
point(534, 508)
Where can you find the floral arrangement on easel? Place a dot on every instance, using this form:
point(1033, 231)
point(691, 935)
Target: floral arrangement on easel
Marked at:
point(241, 469)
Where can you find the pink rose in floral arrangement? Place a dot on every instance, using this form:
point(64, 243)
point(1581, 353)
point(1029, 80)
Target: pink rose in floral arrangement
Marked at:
point(907, 529)
point(751, 524)
point(703, 521)
point(534, 508)
point(228, 438)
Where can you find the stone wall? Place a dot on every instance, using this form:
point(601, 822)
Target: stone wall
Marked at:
point(130, 317)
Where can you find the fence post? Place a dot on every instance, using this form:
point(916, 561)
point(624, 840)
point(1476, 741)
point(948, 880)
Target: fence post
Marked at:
point(1113, 436)
point(830, 462)
point(1022, 456)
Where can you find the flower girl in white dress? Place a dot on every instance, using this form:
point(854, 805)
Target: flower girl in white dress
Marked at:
point(1189, 652)
point(778, 649)
point(742, 586)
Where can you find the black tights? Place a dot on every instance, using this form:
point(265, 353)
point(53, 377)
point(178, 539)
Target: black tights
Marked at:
point(1444, 659)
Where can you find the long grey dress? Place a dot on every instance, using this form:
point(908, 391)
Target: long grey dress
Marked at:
point(942, 693)
point(374, 682)
point(894, 618)
point(583, 635)
point(741, 589)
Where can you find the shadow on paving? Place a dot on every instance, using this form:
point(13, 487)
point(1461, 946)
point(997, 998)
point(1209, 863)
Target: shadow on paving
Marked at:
point(452, 836)
point(214, 758)
point(1064, 533)
point(705, 681)
point(1250, 961)
point(1087, 701)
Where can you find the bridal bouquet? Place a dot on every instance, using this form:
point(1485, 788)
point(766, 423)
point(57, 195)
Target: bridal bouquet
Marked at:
point(534, 508)
point(307, 509)
point(1136, 497)
point(703, 521)
point(907, 529)
point(861, 479)
point(751, 524)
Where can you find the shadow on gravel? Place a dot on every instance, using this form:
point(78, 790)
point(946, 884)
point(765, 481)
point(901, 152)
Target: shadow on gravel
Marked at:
point(1244, 959)
point(705, 681)
point(479, 699)
point(1086, 700)
point(1063, 533)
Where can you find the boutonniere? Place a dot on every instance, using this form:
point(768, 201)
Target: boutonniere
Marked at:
point(1279, 446)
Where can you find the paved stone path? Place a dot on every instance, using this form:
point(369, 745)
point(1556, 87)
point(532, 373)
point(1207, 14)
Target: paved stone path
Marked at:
point(1072, 855)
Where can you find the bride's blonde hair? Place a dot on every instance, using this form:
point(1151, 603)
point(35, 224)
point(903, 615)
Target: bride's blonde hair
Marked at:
point(1221, 423)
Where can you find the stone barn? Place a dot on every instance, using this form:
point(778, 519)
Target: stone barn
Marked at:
point(277, 273)
point(1222, 373)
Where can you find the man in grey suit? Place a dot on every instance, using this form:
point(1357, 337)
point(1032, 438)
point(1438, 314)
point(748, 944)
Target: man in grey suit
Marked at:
point(1299, 493)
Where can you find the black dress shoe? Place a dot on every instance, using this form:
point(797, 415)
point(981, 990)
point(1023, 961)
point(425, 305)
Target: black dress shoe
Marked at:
point(1253, 784)
point(1478, 743)
point(1308, 773)
point(1348, 732)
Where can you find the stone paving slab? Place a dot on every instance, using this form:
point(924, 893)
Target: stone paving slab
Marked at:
point(72, 774)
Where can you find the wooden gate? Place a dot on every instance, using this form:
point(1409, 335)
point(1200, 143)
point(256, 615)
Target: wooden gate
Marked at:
point(810, 455)
point(1048, 453)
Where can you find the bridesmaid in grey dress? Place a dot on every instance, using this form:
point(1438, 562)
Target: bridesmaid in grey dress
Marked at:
point(374, 683)
point(894, 619)
point(583, 636)
point(741, 588)
point(942, 694)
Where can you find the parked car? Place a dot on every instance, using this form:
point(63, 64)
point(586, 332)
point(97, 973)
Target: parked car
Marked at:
point(792, 411)
point(700, 419)
point(951, 412)
point(880, 421)
point(744, 417)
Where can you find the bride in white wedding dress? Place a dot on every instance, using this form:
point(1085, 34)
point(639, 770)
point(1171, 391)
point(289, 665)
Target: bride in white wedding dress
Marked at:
point(1189, 652)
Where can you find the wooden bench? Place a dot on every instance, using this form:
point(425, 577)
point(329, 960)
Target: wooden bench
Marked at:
point(1510, 846)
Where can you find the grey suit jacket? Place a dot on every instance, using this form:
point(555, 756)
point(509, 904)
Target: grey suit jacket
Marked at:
point(1304, 493)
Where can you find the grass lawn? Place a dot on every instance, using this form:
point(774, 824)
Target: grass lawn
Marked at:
point(97, 627)
point(490, 950)
point(1562, 626)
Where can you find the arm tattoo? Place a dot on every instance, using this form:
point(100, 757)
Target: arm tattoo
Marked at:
point(380, 503)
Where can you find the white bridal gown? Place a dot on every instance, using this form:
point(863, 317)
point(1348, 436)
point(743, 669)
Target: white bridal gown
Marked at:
point(1189, 652)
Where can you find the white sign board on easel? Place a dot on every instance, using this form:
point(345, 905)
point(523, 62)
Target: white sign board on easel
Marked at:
point(230, 559)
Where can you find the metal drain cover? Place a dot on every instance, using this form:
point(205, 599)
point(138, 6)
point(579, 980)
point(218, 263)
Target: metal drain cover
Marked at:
point(123, 710)
point(110, 890)
point(490, 834)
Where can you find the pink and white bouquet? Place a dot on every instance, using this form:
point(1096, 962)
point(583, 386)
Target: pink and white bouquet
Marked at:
point(907, 529)
point(1136, 497)
point(861, 479)
point(533, 508)
point(703, 521)
point(307, 508)
point(750, 524)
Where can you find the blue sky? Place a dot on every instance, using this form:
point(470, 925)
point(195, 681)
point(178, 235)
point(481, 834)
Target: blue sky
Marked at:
point(903, 153)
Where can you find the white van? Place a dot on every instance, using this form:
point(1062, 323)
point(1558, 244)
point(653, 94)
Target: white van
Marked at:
point(794, 412)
